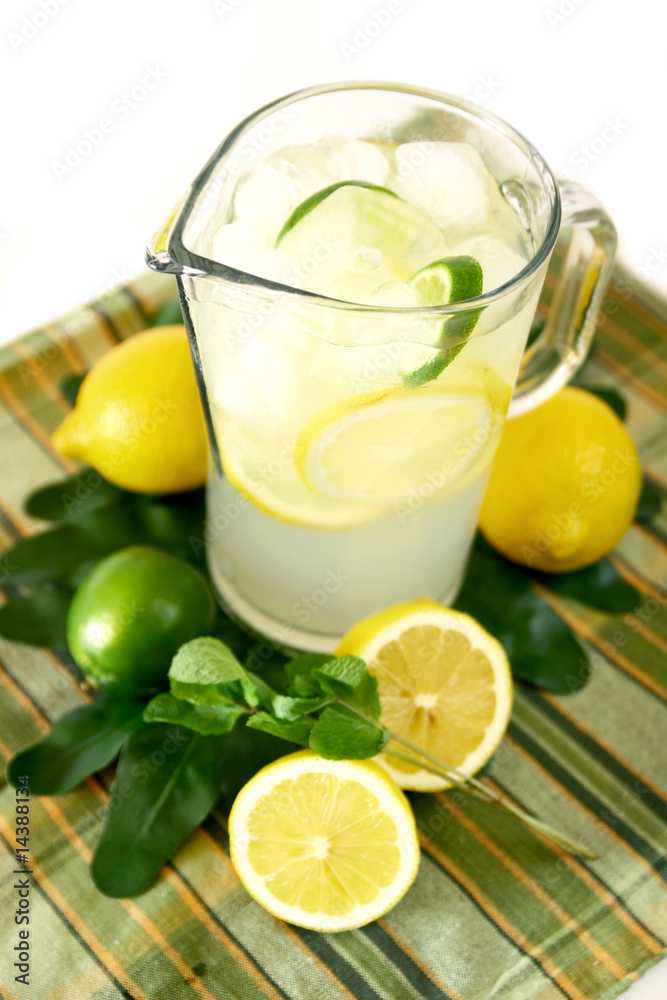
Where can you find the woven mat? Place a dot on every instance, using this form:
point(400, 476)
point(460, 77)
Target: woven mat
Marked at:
point(495, 914)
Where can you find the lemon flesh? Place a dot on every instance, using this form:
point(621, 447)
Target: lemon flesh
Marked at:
point(327, 845)
point(377, 448)
point(444, 684)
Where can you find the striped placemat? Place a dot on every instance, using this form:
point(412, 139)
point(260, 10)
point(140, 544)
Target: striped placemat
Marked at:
point(496, 913)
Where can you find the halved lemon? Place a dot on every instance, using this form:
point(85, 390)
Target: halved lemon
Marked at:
point(376, 448)
point(445, 685)
point(324, 844)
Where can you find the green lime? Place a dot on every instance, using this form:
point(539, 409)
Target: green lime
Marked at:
point(131, 614)
point(350, 238)
point(453, 279)
point(314, 200)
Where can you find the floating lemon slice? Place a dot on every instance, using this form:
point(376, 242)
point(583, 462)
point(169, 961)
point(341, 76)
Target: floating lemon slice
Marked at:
point(376, 448)
point(444, 683)
point(324, 844)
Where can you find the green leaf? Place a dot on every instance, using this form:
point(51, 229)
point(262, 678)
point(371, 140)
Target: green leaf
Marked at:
point(541, 647)
point(206, 672)
point(650, 502)
point(600, 586)
point(288, 708)
point(168, 780)
point(60, 554)
point(80, 743)
point(246, 751)
point(348, 671)
point(167, 314)
point(70, 385)
point(38, 620)
point(346, 677)
point(366, 697)
point(209, 720)
point(535, 330)
point(297, 731)
point(298, 672)
point(70, 498)
point(341, 735)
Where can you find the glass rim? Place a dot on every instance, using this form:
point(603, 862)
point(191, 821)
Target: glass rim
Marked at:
point(178, 259)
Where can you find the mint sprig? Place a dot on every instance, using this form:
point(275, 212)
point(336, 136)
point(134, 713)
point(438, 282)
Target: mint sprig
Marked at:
point(331, 705)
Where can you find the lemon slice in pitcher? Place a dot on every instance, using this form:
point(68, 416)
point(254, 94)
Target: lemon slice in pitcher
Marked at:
point(378, 447)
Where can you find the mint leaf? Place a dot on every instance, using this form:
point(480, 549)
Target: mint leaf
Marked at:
point(298, 672)
point(340, 735)
point(297, 731)
point(346, 670)
point(347, 679)
point(365, 697)
point(285, 707)
point(209, 720)
point(206, 672)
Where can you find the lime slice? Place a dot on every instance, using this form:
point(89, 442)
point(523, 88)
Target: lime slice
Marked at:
point(314, 200)
point(379, 447)
point(358, 236)
point(453, 279)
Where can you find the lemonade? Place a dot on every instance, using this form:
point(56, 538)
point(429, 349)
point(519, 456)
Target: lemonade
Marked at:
point(356, 442)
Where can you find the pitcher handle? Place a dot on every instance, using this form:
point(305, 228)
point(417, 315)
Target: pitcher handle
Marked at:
point(563, 344)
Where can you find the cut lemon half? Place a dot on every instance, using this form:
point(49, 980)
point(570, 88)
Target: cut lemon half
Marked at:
point(376, 448)
point(444, 683)
point(324, 844)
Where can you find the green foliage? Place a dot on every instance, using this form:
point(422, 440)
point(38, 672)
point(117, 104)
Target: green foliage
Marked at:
point(80, 743)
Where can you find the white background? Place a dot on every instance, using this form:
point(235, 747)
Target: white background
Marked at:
point(583, 79)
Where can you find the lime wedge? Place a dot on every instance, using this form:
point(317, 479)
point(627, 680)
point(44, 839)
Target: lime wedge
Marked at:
point(358, 236)
point(314, 200)
point(453, 279)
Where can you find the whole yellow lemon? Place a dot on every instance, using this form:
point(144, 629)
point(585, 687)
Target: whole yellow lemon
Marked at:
point(564, 486)
point(138, 419)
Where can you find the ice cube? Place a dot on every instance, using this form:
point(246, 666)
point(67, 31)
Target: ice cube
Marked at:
point(354, 329)
point(499, 262)
point(265, 198)
point(451, 181)
point(235, 239)
point(331, 159)
point(241, 245)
